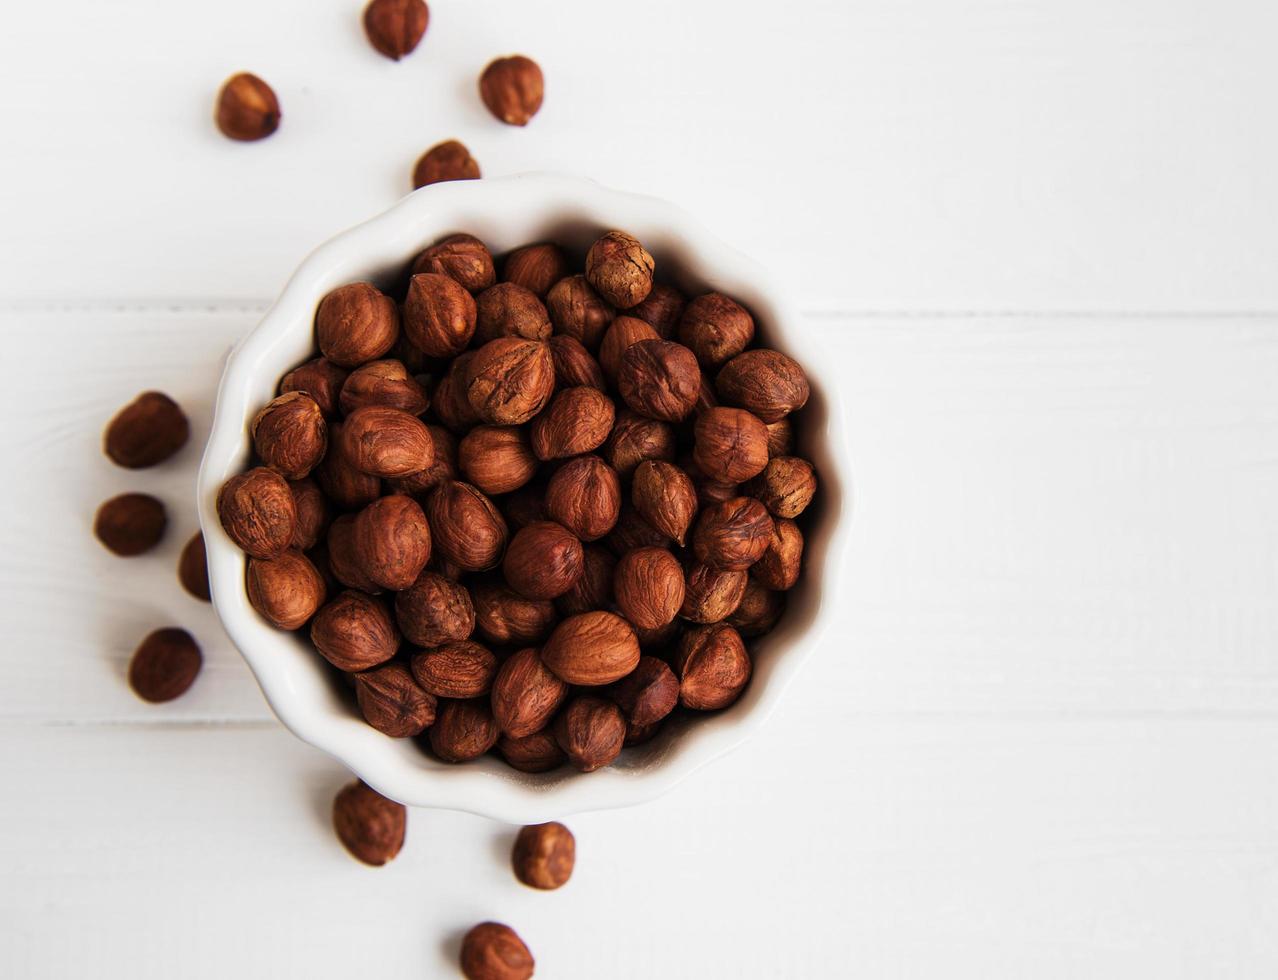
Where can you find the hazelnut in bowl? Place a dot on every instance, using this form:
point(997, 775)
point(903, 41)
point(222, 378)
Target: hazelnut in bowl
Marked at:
point(525, 498)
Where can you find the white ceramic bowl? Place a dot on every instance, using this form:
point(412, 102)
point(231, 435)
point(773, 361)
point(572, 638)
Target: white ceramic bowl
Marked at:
point(507, 212)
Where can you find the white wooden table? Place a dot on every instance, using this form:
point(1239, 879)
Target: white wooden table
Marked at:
point(1042, 240)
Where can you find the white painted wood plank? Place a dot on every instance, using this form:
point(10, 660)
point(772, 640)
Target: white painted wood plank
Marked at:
point(1062, 154)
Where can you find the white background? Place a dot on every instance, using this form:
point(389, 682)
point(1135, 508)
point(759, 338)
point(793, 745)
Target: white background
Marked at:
point(1040, 237)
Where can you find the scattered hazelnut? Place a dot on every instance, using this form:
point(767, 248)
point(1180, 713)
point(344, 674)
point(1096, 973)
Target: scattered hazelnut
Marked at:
point(574, 365)
point(578, 311)
point(713, 667)
point(512, 89)
point(648, 583)
point(594, 589)
point(659, 379)
point(504, 617)
point(434, 611)
point(313, 516)
point(392, 541)
point(786, 486)
point(525, 695)
point(394, 27)
point(780, 438)
point(778, 569)
point(577, 420)
point(635, 439)
point(147, 431)
point(665, 497)
point(449, 160)
point(662, 309)
point(620, 269)
point(443, 465)
point(496, 458)
point(193, 569)
point(510, 380)
point(543, 855)
point(257, 512)
point(538, 752)
point(390, 701)
point(369, 825)
point(354, 632)
point(730, 445)
point(321, 379)
point(466, 528)
point(356, 323)
point(509, 310)
point(247, 108)
point(286, 591)
point(759, 610)
point(462, 258)
point(536, 267)
point(385, 383)
point(165, 665)
point(591, 731)
point(456, 670)
point(732, 535)
point(716, 328)
point(130, 523)
point(617, 339)
point(340, 479)
point(711, 594)
point(386, 442)
point(584, 496)
point(542, 561)
point(290, 435)
point(451, 405)
point(492, 951)
point(463, 730)
point(647, 694)
point(767, 382)
point(591, 649)
point(439, 315)
point(632, 531)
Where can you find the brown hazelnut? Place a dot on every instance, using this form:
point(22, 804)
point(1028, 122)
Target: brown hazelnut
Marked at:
point(577, 420)
point(648, 583)
point(542, 561)
point(711, 594)
point(391, 701)
point(538, 752)
point(536, 267)
point(716, 328)
point(355, 324)
point(343, 559)
point(321, 379)
point(434, 611)
point(492, 951)
point(465, 526)
point(443, 465)
point(504, 617)
point(496, 458)
point(257, 512)
point(130, 523)
point(370, 826)
point(456, 670)
point(620, 269)
point(665, 497)
point(778, 569)
point(449, 160)
point(543, 855)
point(594, 589)
point(660, 638)
point(647, 694)
point(525, 695)
point(439, 315)
point(451, 405)
point(662, 308)
point(386, 442)
point(525, 506)
point(584, 496)
point(463, 730)
point(591, 649)
point(510, 310)
point(730, 445)
point(394, 27)
point(147, 431)
point(623, 332)
point(354, 632)
point(165, 665)
point(706, 397)
point(786, 486)
point(290, 435)
point(574, 365)
point(512, 89)
point(767, 382)
point(632, 531)
point(338, 477)
point(780, 438)
point(732, 535)
point(510, 380)
point(392, 541)
point(759, 611)
point(639, 734)
point(286, 591)
point(713, 667)
point(247, 108)
point(591, 731)
point(659, 379)
point(578, 311)
point(313, 516)
point(386, 383)
point(635, 439)
point(193, 569)
point(462, 258)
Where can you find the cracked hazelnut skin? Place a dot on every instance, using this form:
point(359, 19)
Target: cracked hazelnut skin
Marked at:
point(536, 267)
point(621, 334)
point(496, 458)
point(543, 560)
point(591, 731)
point(492, 951)
point(509, 310)
point(392, 541)
point(392, 702)
point(257, 512)
point(321, 379)
point(449, 160)
point(145, 432)
point(713, 667)
point(443, 465)
point(577, 311)
point(648, 583)
point(544, 855)
point(620, 269)
point(387, 383)
point(313, 514)
point(440, 316)
point(647, 694)
point(635, 439)
point(716, 329)
point(456, 670)
point(395, 27)
point(731, 445)
point(584, 495)
point(512, 89)
point(356, 323)
point(247, 108)
point(449, 400)
point(370, 826)
point(659, 379)
point(130, 523)
point(466, 527)
point(665, 497)
point(509, 380)
point(165, 665)
point(591, 649)
point(354, 632)
point(193, 569)
point(462, 258)
point(786, 486)
point(434, 611)
point(711, 594)
point(290, 435)
point(339, 478)
point(778, 568)
point(505, 618)
point(759, 611)
point(662, 309)
point(577, 420)
point(768, 383)
point(385, 442)
point(574, 365)
point(594, 589)
point(733, 535)
point(286, 591)
point(463, 730)
point(538, 752)
point(525, 695)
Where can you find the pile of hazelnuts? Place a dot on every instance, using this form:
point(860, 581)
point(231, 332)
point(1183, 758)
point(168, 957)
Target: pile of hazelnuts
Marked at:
point(538, 515)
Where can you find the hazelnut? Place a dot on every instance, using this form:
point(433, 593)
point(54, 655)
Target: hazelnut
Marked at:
point(492, 951)
point(713, 667)
point(584, 496)
point(462, 258)
point(449, 160)
point(370, 826)
point(780, 438)
point(385, 383)
point(659, 379)
point(759, 611)
point(130, 523)
point(594, 589)
point(730, 445)
point(394, 27)
point(574, 365)
point(647, 694)
point(164, 665)
point(456, 670)
point(290, 435)
point(313, 515)
point(247, 108)
point(343, 559)
point(732, 535)
point(661, 308)
point(525, 505)
point(356, 323)
point(510, 380)
point(496, 458)
point(706, 397)
point(591, 732)
point(354, 632)
point(620, 335)
point(648, 583)
point(434, 611)
point(443, 465)
point(257, 512)
point(466, 528)
point(542, 561)
point(639, 734)
point(786, 486)
point(661, 638)
point(147, 431)
point(504, 617)
point(321, 379)
point(711, 594)
point(632, 531)
point(543, 855)
point(536, 267)
point(452, 407)
point(591, 649)
point(778, 569)
point(538, 752)
point(386, 442)
point(577, 311)
point(392, 541)
point(620, 269)
point(286, 591)
point(510, 310)
point(463, 730)
point(439, 315)
point(390, 701)
point(716, 328)
point(525, 695)
point(767, 382)
point(512, 89)
point(338, 477)
point(577, 420)
point(664, 496)
point(635, 439)
point(193, 569)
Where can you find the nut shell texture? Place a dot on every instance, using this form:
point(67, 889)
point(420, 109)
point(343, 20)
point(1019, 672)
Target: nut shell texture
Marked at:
point(369, 825)
point(509, 380)
point(257, 512)
point(592, 649)
point(354, 632)
point(512, 88)
point(492, 951)
point(620, 269)
point(544, 855)
point(466, 527)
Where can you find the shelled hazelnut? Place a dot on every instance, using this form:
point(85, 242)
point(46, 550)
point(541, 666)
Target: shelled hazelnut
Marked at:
point(449, 160)
point(512, 89)
point(354, 632)
point(130, 524)
point(392, 701)
point(321, 379)
point(146, 432)
point(648, 583)
point(713, 667)
point(665, 497)
point(369, 825)
point(247, 108)
point(165, 665)
point(786, 486)
point(591, 731)
point(313, 513)
point(504, 617)
point(662, 309)
point(468, 529)
point(543, 560)
point(536, 267)
point(538, 752)
point(766, 382)
point(544, 855)
point(290, 435)
point(462, 258)
point(496, 458)
point(577, 311)
point(395, 27)
point(385, 383)
point(434, 611)
point(732, 535)
point(577, 420)
point(716, 328)
point(584, 496)
point(461, 669)
point(510, 310)
point(574, 365)
point(356, 324)
point(286, 590)
point(509, 380)
point(526, 695)
point(492, 951)
point(193, 569)
point(463, 730)
point(620, 269)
